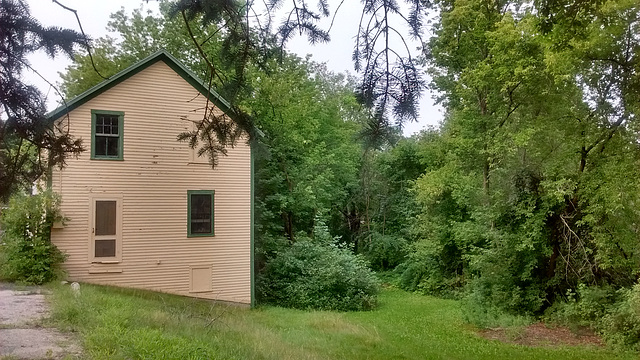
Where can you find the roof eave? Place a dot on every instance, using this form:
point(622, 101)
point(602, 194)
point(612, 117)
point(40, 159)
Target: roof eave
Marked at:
point(161, 55)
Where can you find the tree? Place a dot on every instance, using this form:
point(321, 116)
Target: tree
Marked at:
point(310, 169)
point(529, 199)
point(140, 35)
point(28, 143)
point(391, 77)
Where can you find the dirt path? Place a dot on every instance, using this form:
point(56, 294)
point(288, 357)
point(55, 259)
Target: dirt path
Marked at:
point(21, 333)
point(541, 335)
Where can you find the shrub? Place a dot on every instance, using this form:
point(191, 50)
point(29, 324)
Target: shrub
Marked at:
point(28, 255)
point(585, 306)
point(318, 274)
point(621, 326)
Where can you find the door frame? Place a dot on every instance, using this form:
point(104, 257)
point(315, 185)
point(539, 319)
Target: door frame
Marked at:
point(118, 236)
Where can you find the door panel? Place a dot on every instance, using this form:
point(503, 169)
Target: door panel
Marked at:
point(106, 217)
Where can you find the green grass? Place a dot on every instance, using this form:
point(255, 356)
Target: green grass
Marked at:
point(129, 324)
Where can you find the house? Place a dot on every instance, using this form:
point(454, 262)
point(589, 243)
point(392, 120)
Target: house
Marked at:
point(144, 211)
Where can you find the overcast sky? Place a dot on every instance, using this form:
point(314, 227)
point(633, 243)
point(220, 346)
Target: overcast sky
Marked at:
point(94, 16)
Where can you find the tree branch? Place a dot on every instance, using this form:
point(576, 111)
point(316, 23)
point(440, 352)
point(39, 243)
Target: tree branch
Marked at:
point(86, 41)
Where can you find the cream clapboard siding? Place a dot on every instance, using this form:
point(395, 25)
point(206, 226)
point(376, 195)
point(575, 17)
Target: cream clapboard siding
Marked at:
point(153, 181)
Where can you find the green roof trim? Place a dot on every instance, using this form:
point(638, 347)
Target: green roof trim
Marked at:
point(161, 55)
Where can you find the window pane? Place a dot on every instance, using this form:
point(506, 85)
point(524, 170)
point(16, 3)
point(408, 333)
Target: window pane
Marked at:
point(107, 146)
point(100, 146)
point(114, 125)
point(105, 218)
point(105, 248)
point(201, 214)
point(112, 146)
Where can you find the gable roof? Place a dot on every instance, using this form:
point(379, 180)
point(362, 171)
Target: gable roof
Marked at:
point(161, 55)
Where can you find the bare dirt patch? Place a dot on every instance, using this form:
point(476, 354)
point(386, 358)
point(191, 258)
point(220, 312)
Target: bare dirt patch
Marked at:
point(21, 332)
point(540, 334)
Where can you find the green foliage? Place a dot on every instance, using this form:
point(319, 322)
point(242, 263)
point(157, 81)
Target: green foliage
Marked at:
point(384, 206)
point(317, 275)
point(610, 211)
point(621, 326)
point(29, 256)
point(535, 185)
point(310, 158)
point(385, 252)
point(431, 269)
point(445, 234)
point(137, 35)
point(586, 306)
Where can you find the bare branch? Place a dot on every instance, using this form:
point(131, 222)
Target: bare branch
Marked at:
point(86, 41)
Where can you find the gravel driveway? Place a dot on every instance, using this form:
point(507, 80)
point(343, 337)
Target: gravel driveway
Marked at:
point(21, 333)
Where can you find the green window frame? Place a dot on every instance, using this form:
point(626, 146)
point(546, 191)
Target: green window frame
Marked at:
point(200, 213)
point(103, 135)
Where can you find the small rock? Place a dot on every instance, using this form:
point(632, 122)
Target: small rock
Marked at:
point(75, 287)
point(64, 282)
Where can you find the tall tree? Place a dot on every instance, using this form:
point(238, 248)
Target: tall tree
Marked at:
point(28, 143)
point(135, 36)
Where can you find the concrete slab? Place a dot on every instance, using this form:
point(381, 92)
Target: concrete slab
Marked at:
point(21, 334)
point(21, 307)
point(37, 343)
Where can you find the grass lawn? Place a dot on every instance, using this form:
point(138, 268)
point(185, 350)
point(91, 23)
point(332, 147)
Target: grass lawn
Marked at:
point(130, 324)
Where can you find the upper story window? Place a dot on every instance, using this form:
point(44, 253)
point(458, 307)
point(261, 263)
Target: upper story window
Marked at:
point(107, 134)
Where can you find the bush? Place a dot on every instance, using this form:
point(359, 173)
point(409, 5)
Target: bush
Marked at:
point(586, 306)
point(621, 326)
point(316, 274)
point(28, 255)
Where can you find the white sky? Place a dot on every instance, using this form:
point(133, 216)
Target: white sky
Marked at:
point(94, 16)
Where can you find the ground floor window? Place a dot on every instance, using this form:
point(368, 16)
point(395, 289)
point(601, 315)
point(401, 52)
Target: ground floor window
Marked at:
point(200, 213)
